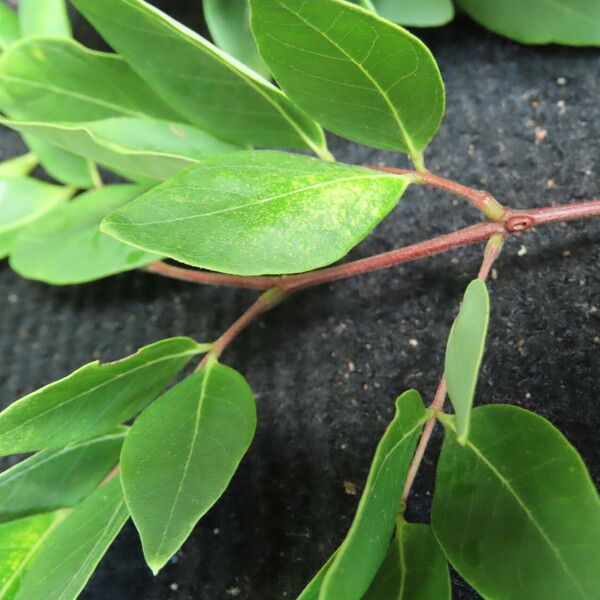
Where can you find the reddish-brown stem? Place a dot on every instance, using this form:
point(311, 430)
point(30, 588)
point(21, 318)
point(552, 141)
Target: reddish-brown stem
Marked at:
point(491, 253)
point(437, 404)
point(264, 302)
point(210, 278)
point(514, 221)
point(481, 200)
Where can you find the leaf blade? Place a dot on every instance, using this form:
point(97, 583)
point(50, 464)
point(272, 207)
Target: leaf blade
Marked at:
point(90, 529)
point(214, 417)
point(560, 21)
point(75, 397)
point(146, 148)
point(293, 213)
point(20, 540)
point(414, 568)
point(510, 487)
point(61, 478)
point(464, 352)
point(10, 30)
point(423, 13)
point(44, 17)
point(363, 550)
point(65, 246)
point(343, 81)
point(256, 112)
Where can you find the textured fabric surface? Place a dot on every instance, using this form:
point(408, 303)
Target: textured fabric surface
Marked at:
point(327, 364)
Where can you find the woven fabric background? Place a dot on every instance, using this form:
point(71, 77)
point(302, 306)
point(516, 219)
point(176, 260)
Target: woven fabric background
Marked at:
point(327, 365)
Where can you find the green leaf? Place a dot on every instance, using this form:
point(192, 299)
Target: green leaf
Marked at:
point(205, 425)
point(360, 76)
point(72, 551)
point(19, 542)
point(23, 200)
point(50, 79)
point(213, 91)
point(9, 28)
point(515, 509)
point(20, 166)
point(229, 25)
point(312, 590)
point(66, 246)
point(416, 13)
point(415, 567)
point(256, 212)
point(135, 147)
point(570, 22)
point(364, 549)
point(93, 399)
point(59, 478)
point(464, 353)
point(44, 17)
point(60, 164)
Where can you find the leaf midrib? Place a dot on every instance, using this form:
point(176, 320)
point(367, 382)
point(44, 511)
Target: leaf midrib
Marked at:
point(530, 516)
point(257, 202)
point(412, 151)
point(95, 388)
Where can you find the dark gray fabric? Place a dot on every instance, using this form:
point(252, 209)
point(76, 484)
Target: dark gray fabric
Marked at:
point(327, 365)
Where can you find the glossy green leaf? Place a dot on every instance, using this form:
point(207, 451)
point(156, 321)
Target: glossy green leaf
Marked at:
point(416, 13)
point(19, 166)
point(414, 568)
point(60, 164)
point(205, 425)
point(464, 353)
point(72, 551)
point(50, 79)
point(93, 399)
point(256, 212)
point(213, 91)
point(358, 75)
point(229, 25)
point(364, 549)
point(58, 478)
point(20, 541)
point(570, 22)
point(515, 510)
point(23, 200)
point(9, 26)
point(136, 147)
point(44, 17)
point(66, 246)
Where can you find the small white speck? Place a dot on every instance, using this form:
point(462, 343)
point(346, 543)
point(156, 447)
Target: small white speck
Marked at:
point(13, 298)
point(414, 343)
point(216, 531)
point(174, 587)
point(522, 251)
point(561, 81)
point(233, 591)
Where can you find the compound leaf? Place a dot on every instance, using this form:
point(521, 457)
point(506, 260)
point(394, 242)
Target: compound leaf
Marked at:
point(212, 90)
point(93, 399)
point(464, 353)
point(229, 25)
point(58, 478)
point(313, 589)
point(359, 557)
point(134, 147)
point(72, 551)
point(570, 22)
point(19, 543)
point(414, 568)
point(50, 79)
point(256, 212)
point(205, 425)
point(66, 245)
point(357, 74)
point(515, 509)
point(44, 17)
